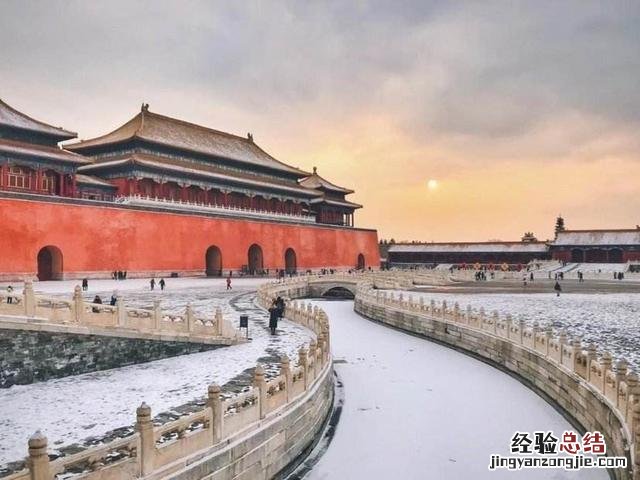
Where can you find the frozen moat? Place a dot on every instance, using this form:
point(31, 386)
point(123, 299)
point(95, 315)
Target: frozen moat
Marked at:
point(415, 410)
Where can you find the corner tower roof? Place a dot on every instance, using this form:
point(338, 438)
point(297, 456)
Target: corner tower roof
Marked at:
point(182, 135)
point(12, 118)
point(316, 181)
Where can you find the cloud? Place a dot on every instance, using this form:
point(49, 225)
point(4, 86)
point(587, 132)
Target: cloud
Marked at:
point(371, 91)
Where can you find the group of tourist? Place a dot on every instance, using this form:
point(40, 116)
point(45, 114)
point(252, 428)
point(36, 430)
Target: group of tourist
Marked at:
point(161, 283)
point(618, 275)
point(98, 300)
point(119, 275)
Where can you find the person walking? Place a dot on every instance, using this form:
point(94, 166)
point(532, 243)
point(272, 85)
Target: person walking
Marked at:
point(85, 284)
point(114, 299)
point(557, 288)
point(280, 306)
point(273, 319)
point(162, 284)
point(152, 283)
point(229, 282)
point(9, 292)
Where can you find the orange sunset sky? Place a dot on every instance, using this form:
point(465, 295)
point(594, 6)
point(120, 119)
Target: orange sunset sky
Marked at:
point(519, 111)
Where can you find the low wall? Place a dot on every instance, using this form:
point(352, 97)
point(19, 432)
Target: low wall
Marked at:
point(34, 356)
point(253, 435)
point(582, 383)
point(35, 312)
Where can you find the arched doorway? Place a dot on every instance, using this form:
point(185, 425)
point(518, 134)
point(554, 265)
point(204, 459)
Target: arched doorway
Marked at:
point(49, 263)
point(255, 264)
point(577, 255)
point(290, 262)
point(213, 262)
point(360, 263)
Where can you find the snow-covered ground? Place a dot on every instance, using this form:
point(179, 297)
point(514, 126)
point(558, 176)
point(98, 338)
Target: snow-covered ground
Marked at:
point(416, 410)
point(71, 409)
point(610, 320)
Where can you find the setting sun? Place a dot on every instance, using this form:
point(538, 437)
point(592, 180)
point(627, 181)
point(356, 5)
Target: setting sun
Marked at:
point(432, 184)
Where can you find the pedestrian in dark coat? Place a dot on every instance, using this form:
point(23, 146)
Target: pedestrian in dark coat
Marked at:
point(152, 283)
point(557, 288)
point(273, 319)
point(280, 306)
point(98, 300)
point(114, 300)
point(85, 284)
point(162, 284)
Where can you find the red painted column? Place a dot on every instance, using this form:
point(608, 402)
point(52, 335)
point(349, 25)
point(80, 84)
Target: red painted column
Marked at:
point(3, 174)
point(38, 180)
point(74, 186)
point(183, 194)
point(63, 188)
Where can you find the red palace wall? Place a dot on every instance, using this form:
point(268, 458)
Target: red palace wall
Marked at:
point(96, 240)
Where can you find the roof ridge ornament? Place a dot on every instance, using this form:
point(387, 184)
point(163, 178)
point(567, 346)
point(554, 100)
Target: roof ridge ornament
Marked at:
point(144, 107)
point(250, 137)
point(315, 170)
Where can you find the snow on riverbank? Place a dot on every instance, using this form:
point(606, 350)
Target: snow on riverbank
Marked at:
point(416, 410)
point(71, 409)
point(610, 320)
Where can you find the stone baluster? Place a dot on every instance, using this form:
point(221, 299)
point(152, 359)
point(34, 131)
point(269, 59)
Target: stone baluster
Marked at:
point(215, 404)
point(157, 315)
point(495, 320)
point(260, 384)
point(592, 354)
point(605, 364)
point(303, 361)
point(421, 301)
point(635, 432)
point(189, 319)
point(219, 328)
point(562, 341)
point(621, 375)
point(548, 332)
point(144, 426)
point(535, 330)
point(508, 322)
point(469, 315)
point(443, 312)
point(456, 312)
point(576, 348)
point(483, 318)
point(285, 370)
point(521, 325)
point(78, 304)
point(121, 312)
point(29, 299)
point(38, 460)
point(633, 392)
point(309, 316)
point(312, 355)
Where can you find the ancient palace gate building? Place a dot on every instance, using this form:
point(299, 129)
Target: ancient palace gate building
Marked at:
point(598, 246)
point(158, 196)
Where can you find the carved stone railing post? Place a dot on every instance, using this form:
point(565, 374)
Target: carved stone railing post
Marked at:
point(121, 312)
point(157, 315)
point(189, 318)
point(285, 370)
point(215, 404)
point(38, 460)
point(605, 362)
point(547, 338)
point(29, 299)
point(260, 384)
point(621, 375)
point(635, 432)
point(521, 326)
point(303, 361)
point(495, 318)
point(312, 355)
point(218, 322)
point(78, 304)
point(144, 426)
point(592, 354)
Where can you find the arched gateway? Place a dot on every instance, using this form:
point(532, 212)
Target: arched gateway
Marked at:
point(213, 262)
point(360, 264)
point(49, 263)
point(255, 262)
point(290, 261)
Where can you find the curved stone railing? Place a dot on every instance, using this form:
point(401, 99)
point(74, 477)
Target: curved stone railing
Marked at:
point(251, 435)
point(28, 310)
point(583, 383)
